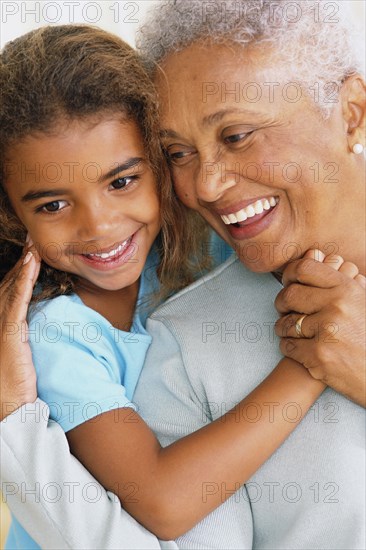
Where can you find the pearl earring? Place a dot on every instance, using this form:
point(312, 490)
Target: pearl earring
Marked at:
point(357, 149)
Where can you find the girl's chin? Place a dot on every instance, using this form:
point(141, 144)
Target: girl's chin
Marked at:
point(110, 286)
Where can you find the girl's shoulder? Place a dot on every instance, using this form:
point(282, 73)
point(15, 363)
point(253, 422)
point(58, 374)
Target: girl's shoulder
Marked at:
point(65, 307)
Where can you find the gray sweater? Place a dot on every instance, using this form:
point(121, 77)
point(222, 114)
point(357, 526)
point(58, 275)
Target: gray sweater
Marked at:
point(214, 343)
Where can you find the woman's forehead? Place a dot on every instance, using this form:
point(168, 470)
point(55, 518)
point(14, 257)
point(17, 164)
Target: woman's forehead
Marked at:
point(203, 84)
point(225, 69)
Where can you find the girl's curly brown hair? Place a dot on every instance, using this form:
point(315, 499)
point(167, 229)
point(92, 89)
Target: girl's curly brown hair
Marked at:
point(70, 72)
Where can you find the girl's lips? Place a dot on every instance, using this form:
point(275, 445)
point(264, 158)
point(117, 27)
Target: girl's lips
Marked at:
point(115, 261)
point(252, 226)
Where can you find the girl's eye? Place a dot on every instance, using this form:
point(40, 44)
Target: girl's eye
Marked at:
point(121, 183)
point(54, 206)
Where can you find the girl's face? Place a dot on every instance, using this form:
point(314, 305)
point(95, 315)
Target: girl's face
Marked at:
point(88, 199)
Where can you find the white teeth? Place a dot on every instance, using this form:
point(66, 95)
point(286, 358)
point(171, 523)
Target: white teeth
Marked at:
point(258, 207)
point(241, 216)
point(112, 253)
point(249, 211)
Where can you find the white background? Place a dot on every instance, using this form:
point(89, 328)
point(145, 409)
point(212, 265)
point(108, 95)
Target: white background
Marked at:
point(121, 17)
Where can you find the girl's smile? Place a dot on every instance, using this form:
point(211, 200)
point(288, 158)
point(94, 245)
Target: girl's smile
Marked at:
point(87, 196)
point(115, 257)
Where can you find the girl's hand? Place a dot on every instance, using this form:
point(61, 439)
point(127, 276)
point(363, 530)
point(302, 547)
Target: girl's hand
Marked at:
point(329, 339)
point(17, 373)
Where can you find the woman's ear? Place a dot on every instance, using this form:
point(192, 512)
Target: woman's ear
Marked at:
point(353, 97)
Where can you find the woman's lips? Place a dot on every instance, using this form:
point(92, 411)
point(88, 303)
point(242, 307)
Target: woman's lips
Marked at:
point(252, 227)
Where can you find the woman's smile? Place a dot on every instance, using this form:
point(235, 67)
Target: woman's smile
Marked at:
point(250, 219)
point(250, 168)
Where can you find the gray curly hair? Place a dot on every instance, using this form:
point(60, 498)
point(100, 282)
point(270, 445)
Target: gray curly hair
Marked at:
point(317, 42)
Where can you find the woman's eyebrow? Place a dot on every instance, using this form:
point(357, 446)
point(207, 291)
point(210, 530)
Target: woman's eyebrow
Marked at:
point(130, 163)
point(168, 133)
point(213, 118)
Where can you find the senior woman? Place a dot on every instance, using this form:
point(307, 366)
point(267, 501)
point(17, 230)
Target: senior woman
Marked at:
point(273, 169)
point(263, 122)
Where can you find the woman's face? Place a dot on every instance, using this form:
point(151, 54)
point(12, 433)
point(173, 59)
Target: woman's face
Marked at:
point(88, 198)
point(253, 155)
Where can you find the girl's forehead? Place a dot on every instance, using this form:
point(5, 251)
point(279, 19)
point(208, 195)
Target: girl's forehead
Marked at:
point(87, 150)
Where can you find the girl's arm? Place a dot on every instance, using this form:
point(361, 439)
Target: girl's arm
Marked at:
point(163, 487)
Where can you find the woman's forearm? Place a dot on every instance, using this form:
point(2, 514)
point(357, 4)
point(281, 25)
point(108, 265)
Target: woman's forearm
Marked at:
point(60, 504)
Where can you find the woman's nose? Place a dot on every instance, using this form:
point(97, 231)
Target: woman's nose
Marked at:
point(213, 180)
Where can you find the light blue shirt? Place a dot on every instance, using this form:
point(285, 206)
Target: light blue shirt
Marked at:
point(84, 365)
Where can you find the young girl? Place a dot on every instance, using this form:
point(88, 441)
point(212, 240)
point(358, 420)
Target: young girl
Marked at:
point(82, 172)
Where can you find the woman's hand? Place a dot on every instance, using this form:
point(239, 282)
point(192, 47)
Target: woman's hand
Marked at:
point(17, 373)
point(327, 334)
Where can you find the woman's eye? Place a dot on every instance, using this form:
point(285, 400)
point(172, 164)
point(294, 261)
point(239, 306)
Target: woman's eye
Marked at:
point(54, 206)
point(121, 183)
point(235, 138)
point(179, 157)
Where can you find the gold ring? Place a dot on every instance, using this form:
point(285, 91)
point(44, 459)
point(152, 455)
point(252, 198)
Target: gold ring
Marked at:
point(298, 325)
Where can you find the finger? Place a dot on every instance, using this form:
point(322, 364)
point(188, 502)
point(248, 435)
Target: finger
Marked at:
point(29, 240)
point(349, 269)
point(334, 261)
point(312, 273)
point(302, 299)
point(15, 270)
point(20, 293)
point(301, 350)
point(17, 266)
point(361, 280)
point(31, 247)
point(315, 254)
point(285, 327)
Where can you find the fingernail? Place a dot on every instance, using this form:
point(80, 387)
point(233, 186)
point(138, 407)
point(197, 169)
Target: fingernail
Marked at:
point(319, 256)
point(27, 258)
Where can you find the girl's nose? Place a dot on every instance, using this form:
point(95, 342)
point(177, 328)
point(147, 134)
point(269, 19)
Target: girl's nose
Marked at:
point(94, 223)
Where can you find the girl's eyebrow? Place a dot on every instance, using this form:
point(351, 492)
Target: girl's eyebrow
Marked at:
point(34, 195)
point(42, 193)
point(130, 163)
